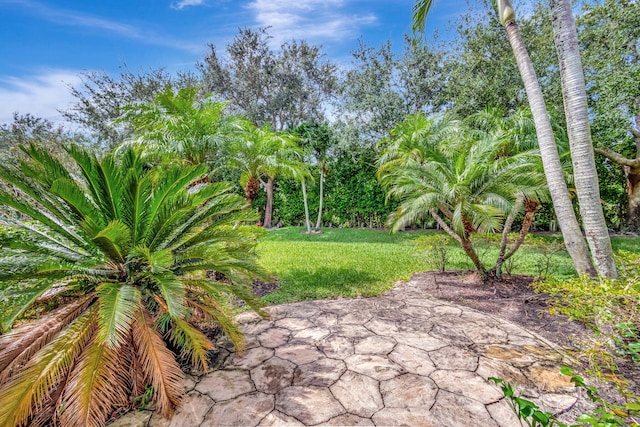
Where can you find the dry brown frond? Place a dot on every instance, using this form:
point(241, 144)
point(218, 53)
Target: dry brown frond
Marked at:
point(199, 312)
point(47, 411)
point(138, 382)
point(17, 346)
point(158, 363)
point(28, 389)
point(98, 383)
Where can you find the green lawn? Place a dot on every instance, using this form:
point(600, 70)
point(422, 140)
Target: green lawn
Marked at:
point(351, 262)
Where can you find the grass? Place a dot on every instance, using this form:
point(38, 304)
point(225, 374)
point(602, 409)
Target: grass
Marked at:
point(353, 262)
point(338, 262)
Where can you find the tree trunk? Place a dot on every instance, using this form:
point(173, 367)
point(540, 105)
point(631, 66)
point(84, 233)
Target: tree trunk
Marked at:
point(319, 222)
point(573, 239)
point(466, 244)
point(574, 95)
point(531, 208)
point(631, 169)
point(633, 190)
point(306, 206)
point(268, 209)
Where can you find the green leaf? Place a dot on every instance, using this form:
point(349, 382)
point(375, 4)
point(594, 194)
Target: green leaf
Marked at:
point(113, 240)
point(118, 304)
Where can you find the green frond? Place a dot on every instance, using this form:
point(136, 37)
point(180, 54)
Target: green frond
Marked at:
point(192, 343)
point(216, 290)
point(420, 12)
point(33, 189)
point(172, 291)
point(118, 304)
point(114, 240)
point(18, 297)
point(38, 215)
point(45, 167)
point(171, 181)
point(84, 209)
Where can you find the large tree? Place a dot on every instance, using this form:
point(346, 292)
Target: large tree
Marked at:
point(280, 88)
point(383, 87)
point(610, 38)
point(316, 141)
point(262, 155)
point(585, 177)
point(183, 125)
point(100, 100)
point(571, 232)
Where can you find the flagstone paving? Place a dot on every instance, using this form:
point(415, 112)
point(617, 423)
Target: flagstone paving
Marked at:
point(397, 359)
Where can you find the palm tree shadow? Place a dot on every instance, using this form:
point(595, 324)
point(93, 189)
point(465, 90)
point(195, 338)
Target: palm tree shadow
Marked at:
point(323, 282)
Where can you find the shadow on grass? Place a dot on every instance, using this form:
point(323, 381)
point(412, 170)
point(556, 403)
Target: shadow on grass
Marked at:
point(324, 282)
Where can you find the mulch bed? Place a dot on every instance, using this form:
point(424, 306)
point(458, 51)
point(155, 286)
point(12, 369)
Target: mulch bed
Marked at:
point(512, 298)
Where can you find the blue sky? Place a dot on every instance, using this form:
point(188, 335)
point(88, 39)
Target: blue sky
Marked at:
point(46, 44)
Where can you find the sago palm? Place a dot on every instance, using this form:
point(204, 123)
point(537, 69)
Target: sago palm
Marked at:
point(121, 253)
point(464, 183)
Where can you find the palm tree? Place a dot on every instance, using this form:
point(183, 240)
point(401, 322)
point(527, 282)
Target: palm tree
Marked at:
point(264, 155)
point(519, 130)
point(182, 125)
point(463, 181)
point(574, 95)
point(316, 140)
point(121, 253)
point(571, 233)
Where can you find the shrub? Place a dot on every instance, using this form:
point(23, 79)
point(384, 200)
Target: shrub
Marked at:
point(609, 307)
point(437, 250)
point(121, 255)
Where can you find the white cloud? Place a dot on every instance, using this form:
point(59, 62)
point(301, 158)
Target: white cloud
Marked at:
point(312, 20)
point(40, 94)
point(186, 3)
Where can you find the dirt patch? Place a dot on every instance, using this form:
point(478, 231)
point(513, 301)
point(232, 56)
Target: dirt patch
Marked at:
point(261, 288)
point(512, 298)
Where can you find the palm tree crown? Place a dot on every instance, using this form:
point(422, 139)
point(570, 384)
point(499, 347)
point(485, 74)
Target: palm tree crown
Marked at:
point(459, 176)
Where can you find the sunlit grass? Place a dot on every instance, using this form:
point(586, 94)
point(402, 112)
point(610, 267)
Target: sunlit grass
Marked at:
point(352, 262)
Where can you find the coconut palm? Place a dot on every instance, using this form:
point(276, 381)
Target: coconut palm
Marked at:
point(571, 233)
point(121, 252)
point(574, 95)
point(463, 181)
point(262, 155)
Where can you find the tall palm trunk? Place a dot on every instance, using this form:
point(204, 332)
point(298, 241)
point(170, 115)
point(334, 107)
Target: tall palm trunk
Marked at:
point(268, 209)
point(306, 206)
point(573, 239)
point(574, 95)
point(319, 221)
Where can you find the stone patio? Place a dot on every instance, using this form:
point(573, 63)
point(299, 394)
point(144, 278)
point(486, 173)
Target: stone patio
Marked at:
point(397, 359)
